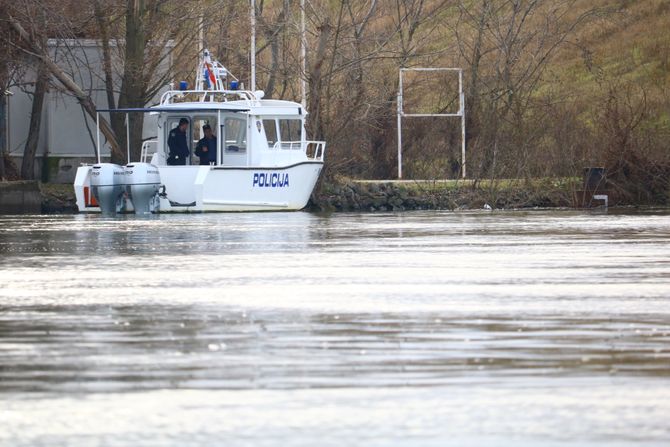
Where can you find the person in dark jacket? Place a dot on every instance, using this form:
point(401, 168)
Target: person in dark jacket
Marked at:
point(177, 144)
point(206, 147)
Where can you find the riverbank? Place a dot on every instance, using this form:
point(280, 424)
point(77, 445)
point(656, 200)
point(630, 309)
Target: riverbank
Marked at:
point(32, 197)
point(58, 198)
point(373, 195)
point(20, 197)
point(400, 195)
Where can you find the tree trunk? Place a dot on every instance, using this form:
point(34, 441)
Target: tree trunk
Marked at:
point(133, 84)
point(101, 20)
point(316, 81)
point(3, 116)
point(28, 163)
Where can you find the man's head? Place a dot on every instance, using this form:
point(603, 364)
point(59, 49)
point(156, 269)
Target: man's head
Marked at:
point(207, 129)
point(183, 124)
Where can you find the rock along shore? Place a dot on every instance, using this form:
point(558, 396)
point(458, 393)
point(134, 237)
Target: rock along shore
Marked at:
point(342, 195)
point(373, 196)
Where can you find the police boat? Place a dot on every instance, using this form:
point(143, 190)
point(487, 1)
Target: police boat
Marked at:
point(218, 148)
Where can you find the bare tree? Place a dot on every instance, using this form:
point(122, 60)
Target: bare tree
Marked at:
point(274, 29)
point(507, 46)
point(154, 38)
point(30, 150)
point(3, 115)
point(9, 64)
point(33, 44)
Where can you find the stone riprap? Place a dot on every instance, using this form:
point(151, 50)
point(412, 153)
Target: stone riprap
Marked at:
point(349, 195)
point(400, 196)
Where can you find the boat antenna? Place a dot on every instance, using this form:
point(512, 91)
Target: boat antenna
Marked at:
point(303, 56)
point(253, 45)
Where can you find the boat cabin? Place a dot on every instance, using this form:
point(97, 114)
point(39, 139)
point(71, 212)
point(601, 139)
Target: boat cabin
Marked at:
point(248, 132)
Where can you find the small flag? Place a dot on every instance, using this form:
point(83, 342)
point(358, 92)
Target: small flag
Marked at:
point(206, 76)
point(209, 75)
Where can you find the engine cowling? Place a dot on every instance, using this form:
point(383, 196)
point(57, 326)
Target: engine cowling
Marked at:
point(108, 184)
point(143, 181)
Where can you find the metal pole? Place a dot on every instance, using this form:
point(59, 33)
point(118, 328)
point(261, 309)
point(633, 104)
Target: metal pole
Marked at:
point(219, 144)
point(8, 123)
point(3, 129)
point(400, 124)
point(127, 137)
point(303, 51)
point(201, 36)
point(253, 45)
point(462, 98)
point(463, 143)
point(97, 128)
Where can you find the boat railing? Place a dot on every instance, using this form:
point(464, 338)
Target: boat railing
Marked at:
point(170, 96)
point(149, 148)
point(288, 145)
point(314, 150)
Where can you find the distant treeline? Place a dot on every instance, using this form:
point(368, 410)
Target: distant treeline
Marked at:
point(551, 86)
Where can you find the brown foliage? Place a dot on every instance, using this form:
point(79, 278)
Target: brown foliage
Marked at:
point(637, 172)
point(549, 83)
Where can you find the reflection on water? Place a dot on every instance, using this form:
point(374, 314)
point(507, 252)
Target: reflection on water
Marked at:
point(368, 329)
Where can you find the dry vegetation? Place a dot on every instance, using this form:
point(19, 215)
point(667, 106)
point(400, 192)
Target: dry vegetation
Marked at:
point(551, 86)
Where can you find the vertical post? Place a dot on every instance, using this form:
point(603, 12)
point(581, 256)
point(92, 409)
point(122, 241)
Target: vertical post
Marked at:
point(253, 45)
point(219, 144)
point(97, 129)
point(250, 138)
point(127, 137)
point(49, 126)
point(400, 124)
point(201, 36)
point(8, 120)
point(3, 129)
point(303, 55)
point(462, 112)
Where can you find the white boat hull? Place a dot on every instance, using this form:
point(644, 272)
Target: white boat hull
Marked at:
point(223, 188)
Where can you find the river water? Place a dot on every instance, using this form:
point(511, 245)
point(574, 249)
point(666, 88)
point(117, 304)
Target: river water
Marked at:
point(296, 329)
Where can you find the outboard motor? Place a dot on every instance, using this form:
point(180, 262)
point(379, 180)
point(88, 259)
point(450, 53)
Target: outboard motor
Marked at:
point(143, 181)
point(108, 184)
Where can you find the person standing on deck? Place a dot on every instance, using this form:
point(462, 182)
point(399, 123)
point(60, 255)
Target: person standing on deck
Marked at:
point(206, 148)
point(177, 144)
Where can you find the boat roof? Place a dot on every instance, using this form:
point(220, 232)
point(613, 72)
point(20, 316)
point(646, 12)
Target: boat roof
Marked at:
point(255, 107)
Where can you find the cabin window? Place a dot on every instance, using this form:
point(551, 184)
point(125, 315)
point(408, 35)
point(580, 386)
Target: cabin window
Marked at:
point(236, 134)
point(270, 131)
point(199, 122)
point(290, 130)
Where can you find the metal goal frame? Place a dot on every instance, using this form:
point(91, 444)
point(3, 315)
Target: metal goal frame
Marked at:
point(460, 113)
